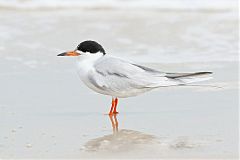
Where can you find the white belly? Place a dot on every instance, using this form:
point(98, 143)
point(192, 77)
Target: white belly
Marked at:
point(119, 94)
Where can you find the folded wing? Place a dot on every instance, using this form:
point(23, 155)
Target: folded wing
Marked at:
point(117, 75)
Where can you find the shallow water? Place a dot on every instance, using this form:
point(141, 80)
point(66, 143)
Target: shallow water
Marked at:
point(47, 113)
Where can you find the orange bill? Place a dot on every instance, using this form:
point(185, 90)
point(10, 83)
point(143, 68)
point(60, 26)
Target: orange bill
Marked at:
point(70, 53)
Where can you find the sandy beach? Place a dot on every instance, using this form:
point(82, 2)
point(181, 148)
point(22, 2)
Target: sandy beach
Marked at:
point(47, 112)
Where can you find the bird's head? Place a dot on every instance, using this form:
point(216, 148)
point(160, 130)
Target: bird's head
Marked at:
point(87, 48)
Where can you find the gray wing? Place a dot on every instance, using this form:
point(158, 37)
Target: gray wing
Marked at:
point(116, 75)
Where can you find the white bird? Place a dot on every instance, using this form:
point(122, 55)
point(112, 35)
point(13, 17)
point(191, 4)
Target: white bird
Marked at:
point(119, 78)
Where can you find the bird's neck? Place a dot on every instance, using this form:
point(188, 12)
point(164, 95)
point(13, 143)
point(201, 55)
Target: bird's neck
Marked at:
point(86, 62)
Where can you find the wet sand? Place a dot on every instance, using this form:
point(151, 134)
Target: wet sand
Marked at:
point(46, 112)
point(66, 120)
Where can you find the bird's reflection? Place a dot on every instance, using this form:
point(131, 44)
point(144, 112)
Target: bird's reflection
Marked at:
point(120, 140)
point(131, 143)
point(114, 121)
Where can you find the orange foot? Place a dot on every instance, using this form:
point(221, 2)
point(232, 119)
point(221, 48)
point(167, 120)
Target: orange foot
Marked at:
point(112, 113)
point(113, 110)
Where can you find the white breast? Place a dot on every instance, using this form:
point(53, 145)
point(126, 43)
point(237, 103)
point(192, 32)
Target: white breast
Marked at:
point(85, 66)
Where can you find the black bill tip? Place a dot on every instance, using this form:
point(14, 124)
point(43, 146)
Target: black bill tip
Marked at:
point(62, 54)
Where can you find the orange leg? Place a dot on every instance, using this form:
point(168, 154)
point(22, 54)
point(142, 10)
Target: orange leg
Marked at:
point(112, 107)
point(115, 106)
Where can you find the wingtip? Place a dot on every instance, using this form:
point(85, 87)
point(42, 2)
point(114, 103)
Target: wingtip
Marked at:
point(205, 72)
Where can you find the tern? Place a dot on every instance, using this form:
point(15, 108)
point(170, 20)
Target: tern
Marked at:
point(120, 78)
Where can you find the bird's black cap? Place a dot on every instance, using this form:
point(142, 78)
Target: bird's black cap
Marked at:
point(90, 46)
